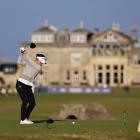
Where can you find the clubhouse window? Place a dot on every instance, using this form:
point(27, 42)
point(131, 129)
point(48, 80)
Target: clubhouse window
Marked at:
point(100, 77)
point(115, 67)
point(76, 72)
point(84, 75)
point(122, 67)
point(115, 77)
point(122, 77)
point(108, 75)
point(108, 67)
point(107, 78)
point(115, 80)
point(101, 46)
point(68, 75)
point(100, 67)
point(115, 46)
point(107, 46)
point(139, 62)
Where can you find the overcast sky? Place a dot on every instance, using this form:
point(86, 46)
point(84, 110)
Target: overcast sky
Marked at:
point(18, 18)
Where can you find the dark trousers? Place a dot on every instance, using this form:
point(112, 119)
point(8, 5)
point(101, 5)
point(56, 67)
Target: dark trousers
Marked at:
point(27, 98)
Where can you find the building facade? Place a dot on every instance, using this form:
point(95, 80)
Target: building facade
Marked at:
point(87, 58)
point(8, 76)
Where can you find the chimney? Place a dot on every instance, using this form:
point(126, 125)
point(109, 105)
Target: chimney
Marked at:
point(116, 26)
point(46, 24)
point(134, 33)
point(81, 25)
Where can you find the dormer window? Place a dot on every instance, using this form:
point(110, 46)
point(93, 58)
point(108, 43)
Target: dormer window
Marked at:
point(79, 35)
point(44, 34)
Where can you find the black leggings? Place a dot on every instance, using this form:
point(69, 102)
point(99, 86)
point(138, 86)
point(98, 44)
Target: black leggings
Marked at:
point(28, 100)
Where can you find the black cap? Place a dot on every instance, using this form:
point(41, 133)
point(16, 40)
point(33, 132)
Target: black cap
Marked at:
point(32, 45)
point(40, 55)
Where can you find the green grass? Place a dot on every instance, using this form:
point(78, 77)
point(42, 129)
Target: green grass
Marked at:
point(48, 104)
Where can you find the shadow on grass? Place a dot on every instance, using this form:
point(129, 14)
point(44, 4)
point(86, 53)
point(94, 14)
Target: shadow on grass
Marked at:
point(47, 121)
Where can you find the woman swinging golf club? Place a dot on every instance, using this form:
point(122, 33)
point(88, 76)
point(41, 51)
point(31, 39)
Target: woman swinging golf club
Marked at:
point(25, 85)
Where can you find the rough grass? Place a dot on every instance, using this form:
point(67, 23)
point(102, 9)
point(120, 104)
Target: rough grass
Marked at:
point(116, 103)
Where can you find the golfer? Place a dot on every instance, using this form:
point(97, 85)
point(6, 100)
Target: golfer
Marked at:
point(25, 84)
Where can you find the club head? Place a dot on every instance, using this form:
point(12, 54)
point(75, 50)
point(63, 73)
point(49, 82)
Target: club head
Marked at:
point(50, 121)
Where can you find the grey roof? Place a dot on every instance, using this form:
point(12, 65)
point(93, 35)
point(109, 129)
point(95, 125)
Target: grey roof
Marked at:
point(80, 30)
point(43, 29)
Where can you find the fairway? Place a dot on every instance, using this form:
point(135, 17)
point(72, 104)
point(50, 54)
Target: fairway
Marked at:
point(48, 104)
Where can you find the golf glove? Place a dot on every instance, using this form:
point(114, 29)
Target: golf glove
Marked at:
point(22, 49)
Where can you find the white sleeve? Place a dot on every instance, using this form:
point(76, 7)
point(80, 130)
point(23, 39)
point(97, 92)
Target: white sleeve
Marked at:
point(28, 59)
point(21, 59)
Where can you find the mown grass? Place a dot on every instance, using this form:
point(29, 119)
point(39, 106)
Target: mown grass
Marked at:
point(47, 104)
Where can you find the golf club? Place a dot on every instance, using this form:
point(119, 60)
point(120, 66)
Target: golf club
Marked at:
point(32, 45)
point(47, 121)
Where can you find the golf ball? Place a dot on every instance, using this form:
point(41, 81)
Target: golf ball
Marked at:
point(73, 122)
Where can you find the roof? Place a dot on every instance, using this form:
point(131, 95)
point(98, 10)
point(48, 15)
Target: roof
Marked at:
point(80, 30)
point(123, 34)
point(44, 29)
point(116, 31)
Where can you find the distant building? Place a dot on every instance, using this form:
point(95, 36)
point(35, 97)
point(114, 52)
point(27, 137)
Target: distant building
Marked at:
point(8, 75)
point(87, 58)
